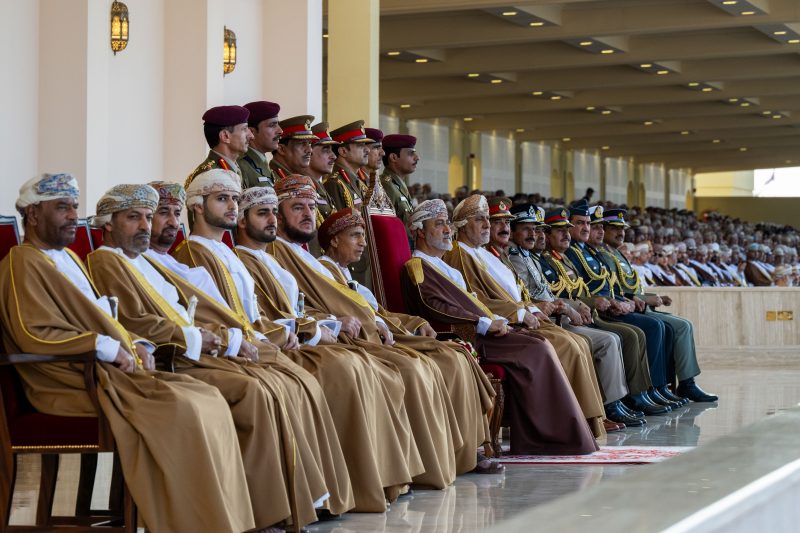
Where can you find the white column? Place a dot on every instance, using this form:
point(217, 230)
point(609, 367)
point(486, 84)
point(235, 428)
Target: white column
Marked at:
point(292, 74)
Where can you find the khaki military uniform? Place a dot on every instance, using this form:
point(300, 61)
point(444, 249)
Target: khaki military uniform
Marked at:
point(398, 193)
point(256, 172)
point(214, 160)
point(345, 190)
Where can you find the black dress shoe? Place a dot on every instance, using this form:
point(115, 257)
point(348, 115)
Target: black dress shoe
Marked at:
point(669, 395)
point(656, 396)
point(639, 403)
point(615, 413)
point(689, 389)
point(630, 412)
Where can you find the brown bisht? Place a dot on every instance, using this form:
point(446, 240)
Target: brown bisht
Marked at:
point(184, 470)
point(574, 353)
point(265, 437)
point(365, 397)
point(426, 401)
point(312, 421)
point(470, 391)
point(545, 416)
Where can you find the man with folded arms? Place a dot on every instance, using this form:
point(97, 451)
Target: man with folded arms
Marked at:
point(495, 285)
point(365, 396)
point(343, 236)
point(212, 197)
point(429, 409)
point(175, 436)
point(545, 416)
point(150, 305)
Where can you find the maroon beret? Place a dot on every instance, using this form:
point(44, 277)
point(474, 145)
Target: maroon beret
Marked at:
point(399, 141)
point(374, 133)
point(261, 111)
point(226, 115)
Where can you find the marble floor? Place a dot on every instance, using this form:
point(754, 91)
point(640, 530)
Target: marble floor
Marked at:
point(474, 502)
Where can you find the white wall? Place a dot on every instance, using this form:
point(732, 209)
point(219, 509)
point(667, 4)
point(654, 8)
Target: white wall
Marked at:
point(433, 147)
point(654, 179)
point(537, 164)
point(586, 170)
point(497, 163)
point(616, 180)
point(389, 123)
point(243, 85)
point(19, 37)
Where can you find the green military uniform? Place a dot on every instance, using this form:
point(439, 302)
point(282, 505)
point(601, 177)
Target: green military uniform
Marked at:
point(214, 160)
point(256, 172)
point(397, 190)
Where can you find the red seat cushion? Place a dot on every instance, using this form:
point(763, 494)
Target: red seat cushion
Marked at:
point(82, 245)
point(97, 237)
point(179, 238)
point(227, 238)
point(495, 370)
point(9, 235)
point(393, 253)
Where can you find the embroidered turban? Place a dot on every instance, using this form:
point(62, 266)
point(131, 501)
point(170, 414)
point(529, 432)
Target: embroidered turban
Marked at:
point(470, 207)
point(339, 221)
point(169, 193)
point(47, 187)
point(256, 197)
point(210, 182)
point(121, 197)
point(427, 210)
point(295, 186)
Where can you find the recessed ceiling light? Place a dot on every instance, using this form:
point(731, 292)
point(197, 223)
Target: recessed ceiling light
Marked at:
point(743, 149)
point(646, 65)
point(509, 13)
point(730, 2)
point(520, 130)
point(590, 108)
point(394, 53)
point(793, 41)
point(496, 81)
point(537, 23)
point(473, 75)
point(467, 119)
point(605, 147)
point(788, 161)
point(685, 132)
point(745, 104)
point(607, 51)
point(421, 60)
point(777, 116)
point(566, 139)
point(766, 112)
point(405, 106)
point(747, 13)
point(662, 72)
point(716, 141)
point(779, 33)
point(648, 122)
point(693, 84)
point(555, 97)
point(605, 112)
point(707, 89)
point(585, 43)
point(733, 100)
point(537, 93)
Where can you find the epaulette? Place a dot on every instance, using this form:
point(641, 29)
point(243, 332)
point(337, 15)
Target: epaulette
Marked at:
point(513, 251)
point(208, 165)
point(414, 269)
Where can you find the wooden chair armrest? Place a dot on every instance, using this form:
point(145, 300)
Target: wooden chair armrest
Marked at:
point(88, 359)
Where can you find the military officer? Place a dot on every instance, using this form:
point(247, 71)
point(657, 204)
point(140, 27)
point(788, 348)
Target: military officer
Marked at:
point(400, 161)
point(293, 155)
point(322, 160)
point(347, 184)
point(375, 157)
point(227, 134)
point(266, 130)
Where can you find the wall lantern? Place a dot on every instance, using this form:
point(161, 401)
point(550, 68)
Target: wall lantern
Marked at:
point(229, 52)
point(119, 26)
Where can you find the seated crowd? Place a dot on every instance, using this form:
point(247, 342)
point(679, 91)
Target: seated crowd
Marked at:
point(266, 384)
